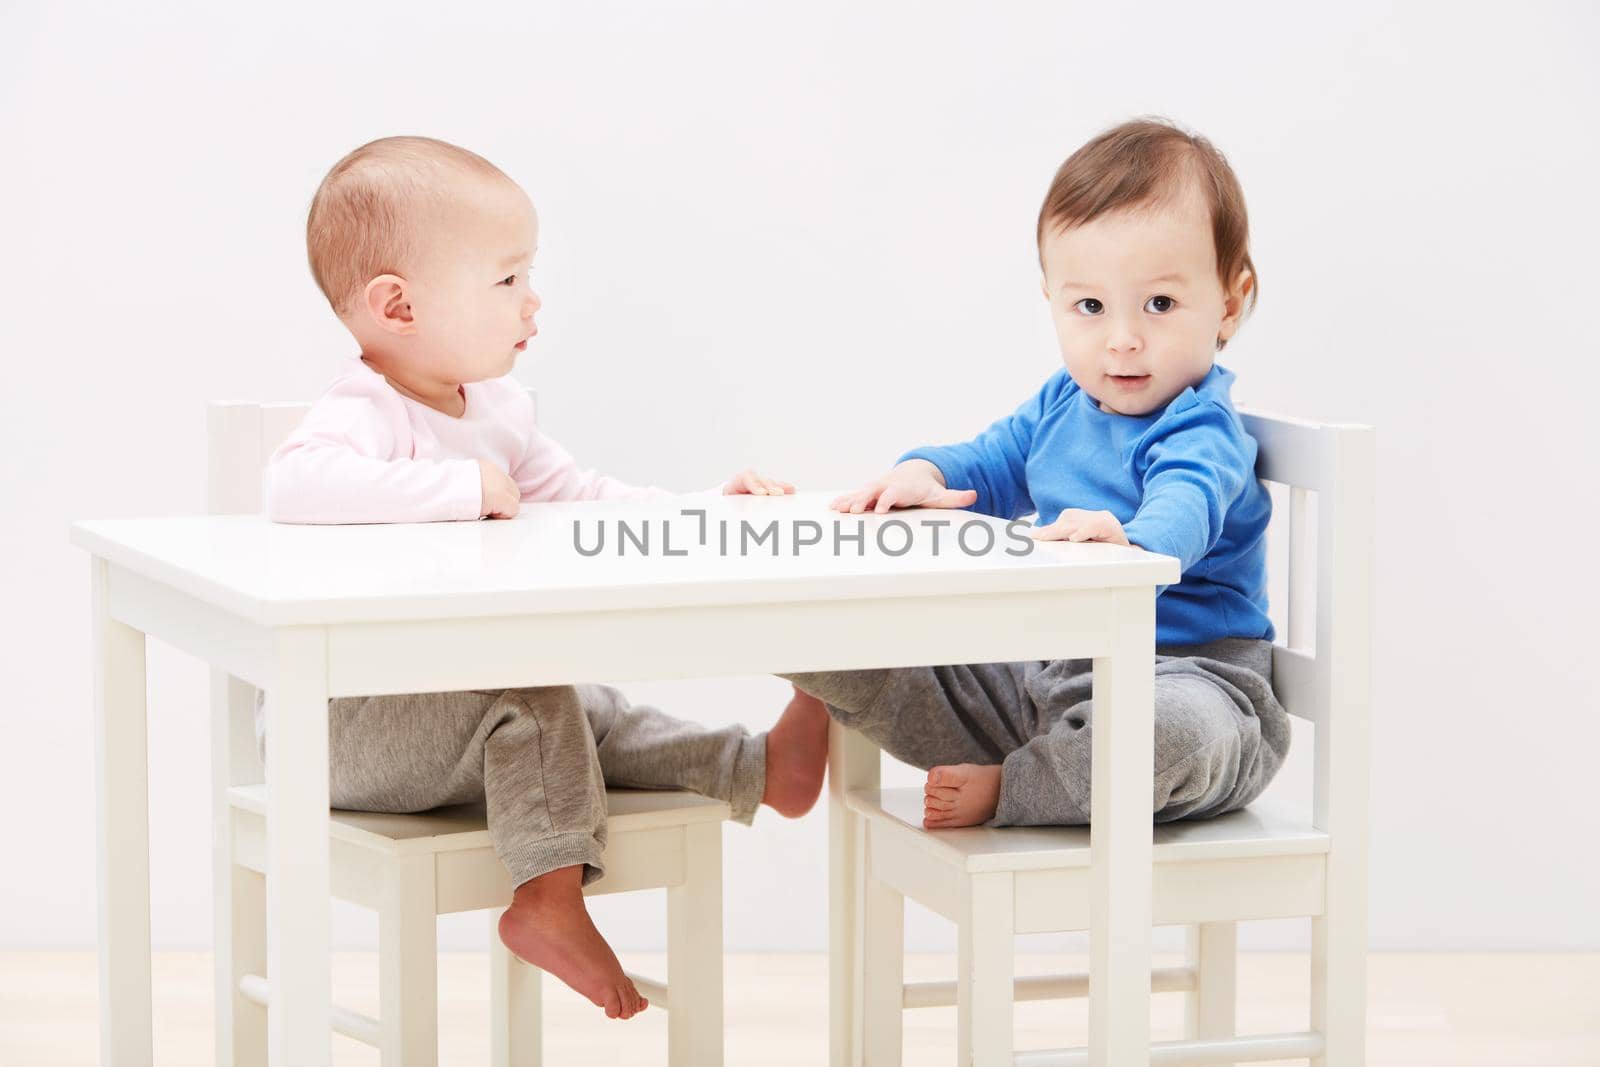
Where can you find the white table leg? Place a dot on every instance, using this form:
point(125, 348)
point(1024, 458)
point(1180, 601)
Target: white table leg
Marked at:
point(694, 952)
point(122, 832)
point(298, 1032)
point(1120, 836)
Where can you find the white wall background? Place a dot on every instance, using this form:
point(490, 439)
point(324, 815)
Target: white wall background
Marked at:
point(800, 236)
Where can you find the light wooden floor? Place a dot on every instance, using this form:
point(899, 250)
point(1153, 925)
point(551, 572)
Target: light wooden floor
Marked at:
point(1426, 1010)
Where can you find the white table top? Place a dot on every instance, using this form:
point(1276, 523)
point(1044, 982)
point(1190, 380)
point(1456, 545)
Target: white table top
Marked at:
point(282, 575)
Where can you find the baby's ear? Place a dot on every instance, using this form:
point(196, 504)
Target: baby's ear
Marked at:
point(386, 303)
point(1233, 305)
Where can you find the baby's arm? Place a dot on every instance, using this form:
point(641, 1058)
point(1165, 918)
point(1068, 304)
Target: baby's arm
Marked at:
point(1192, 476)
point(548, 472)
point(339, 466)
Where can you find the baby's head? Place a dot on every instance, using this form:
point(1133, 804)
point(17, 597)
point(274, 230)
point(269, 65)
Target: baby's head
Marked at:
point(1144, 244)
point(423, 250)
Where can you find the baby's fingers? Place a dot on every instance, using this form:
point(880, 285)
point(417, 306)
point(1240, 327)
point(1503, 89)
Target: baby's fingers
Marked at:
point(773, 487)
point(760, 485)
point(858, 501)
point(863, 499)
point(892, 496)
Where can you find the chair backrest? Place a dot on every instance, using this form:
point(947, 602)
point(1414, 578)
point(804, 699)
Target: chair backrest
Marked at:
point(1322, 670)
point(1328, 472)
point(240, 438)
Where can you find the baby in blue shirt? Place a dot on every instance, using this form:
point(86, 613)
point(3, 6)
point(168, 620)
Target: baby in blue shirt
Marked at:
point(1144, 246)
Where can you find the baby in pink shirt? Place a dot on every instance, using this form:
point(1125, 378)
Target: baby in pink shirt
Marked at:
point(423, 250)
point(423, 424)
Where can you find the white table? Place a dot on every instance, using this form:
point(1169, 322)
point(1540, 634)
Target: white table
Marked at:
point(310, 613)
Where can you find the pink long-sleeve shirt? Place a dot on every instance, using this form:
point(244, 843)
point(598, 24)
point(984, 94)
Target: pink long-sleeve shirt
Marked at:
point(367, 453)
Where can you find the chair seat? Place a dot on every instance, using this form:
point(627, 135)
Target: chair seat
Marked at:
point(463, 826)
point(1269, 827)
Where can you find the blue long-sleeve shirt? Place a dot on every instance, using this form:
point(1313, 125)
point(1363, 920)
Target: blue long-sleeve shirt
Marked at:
point(1180, 480)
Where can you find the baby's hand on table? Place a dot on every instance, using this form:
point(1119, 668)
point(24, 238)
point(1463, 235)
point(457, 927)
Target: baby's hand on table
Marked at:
point(1075, 524)
point(501, 497)
point(748, 481)
point(916, 483)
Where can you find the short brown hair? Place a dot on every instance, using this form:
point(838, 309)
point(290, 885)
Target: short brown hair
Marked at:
point(364, 217)
point(1148, 161)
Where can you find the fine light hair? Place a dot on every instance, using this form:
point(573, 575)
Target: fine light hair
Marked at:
point(1147, 163)
point(367, 215)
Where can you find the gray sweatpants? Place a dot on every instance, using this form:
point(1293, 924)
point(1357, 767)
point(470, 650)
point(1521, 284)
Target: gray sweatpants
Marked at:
point(1220, 733)
point(539, 759)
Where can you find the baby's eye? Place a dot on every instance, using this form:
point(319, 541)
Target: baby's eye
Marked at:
point(1088, 306)
point(512, 280)
point(1159, 304)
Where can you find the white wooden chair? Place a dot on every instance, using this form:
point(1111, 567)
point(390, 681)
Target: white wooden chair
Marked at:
point(412, 868)
point(1267, 861)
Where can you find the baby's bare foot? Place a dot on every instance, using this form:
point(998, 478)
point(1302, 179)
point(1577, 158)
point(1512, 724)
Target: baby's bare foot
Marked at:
point(963, 795)
point(548, 926)
point(797, 756)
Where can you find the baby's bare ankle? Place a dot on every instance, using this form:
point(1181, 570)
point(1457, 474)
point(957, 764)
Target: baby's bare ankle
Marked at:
point(558, 888)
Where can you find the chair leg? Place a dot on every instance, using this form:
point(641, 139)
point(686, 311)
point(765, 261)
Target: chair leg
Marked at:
point(985, 973)
point(408, 961)
point(239, 895)
point(241, 1024)
point(853, 763)
point(1212, 951)
point(694, 952)
point(883, 969)
point(1339, 989)
point(515, 991)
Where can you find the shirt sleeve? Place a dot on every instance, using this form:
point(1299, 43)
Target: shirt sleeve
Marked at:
point(1194, 472)
point(340, 466)
point(548, 472)
point(995, 463)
